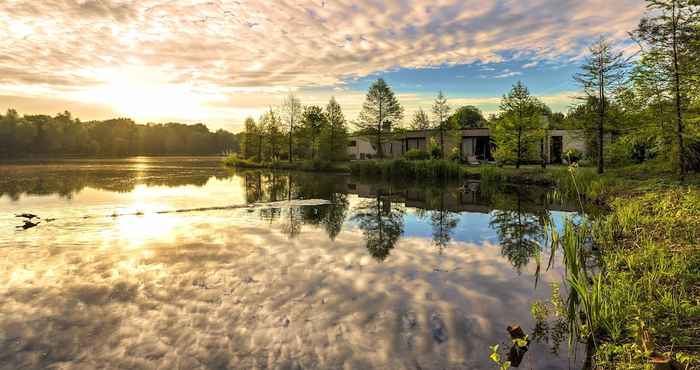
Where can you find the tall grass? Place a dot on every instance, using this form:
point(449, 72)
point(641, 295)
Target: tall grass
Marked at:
point(642, 300)
point(401, 168)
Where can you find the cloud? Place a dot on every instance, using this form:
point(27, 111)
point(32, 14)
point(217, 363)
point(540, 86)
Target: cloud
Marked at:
point(507, 73)
point(217, 47)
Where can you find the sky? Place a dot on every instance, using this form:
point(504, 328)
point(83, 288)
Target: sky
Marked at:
point(220, 61)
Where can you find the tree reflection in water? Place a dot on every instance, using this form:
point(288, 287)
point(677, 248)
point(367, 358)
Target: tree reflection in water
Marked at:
point(442, 220)
point(381, 223)
point(520, 230)
point(517, 215)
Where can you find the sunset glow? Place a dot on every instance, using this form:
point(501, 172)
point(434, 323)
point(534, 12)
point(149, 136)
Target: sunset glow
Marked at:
point(220, 61)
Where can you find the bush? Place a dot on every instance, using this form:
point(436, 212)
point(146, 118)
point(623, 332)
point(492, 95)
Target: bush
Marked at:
point(454, 155)
point(434, 149)
point(416, 155)
point(573, 155)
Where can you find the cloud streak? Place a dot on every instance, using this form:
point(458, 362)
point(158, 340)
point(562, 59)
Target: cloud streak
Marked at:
point(217, 48)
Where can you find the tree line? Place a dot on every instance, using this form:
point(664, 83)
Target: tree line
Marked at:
point(632, 108)
point(293, 131)
point(43, 135)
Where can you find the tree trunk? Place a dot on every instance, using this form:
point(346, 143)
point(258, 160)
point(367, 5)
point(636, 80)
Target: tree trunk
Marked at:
point(380, 149)
point(442, 143)
point(313, 147)
point(332, 154)
point(517, 159)
point(544, 160)
point(601, 119)
point(291, 133)
point(677, 87)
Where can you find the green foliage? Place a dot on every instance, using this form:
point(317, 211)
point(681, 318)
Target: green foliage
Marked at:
point(41, 135)
point(381, 111)
point(519, 128)
point(643, 300)
point(496, 357)
point(400, 168)
point(573, 155)
point(334, 137)
point(416, 155)
point(467, 116)
point(420, 121)
point(434, 149)
point(313, 121)
point(669, 35)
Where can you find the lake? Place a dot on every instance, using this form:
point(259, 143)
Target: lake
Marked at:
point(179, 263)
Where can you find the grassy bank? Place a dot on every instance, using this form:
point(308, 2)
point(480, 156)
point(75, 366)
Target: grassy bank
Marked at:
point(641, 306)
point(300, 165)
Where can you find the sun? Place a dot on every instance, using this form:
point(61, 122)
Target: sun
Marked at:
point(144, 94)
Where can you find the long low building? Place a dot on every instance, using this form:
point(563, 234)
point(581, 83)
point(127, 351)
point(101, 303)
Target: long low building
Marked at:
point(473, 144)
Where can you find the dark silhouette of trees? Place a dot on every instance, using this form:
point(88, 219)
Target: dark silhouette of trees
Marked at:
point(63, 135)
point(313, 120)
point(335, 135)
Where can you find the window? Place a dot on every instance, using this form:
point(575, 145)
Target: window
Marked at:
point(352, 143)
point(415, 143)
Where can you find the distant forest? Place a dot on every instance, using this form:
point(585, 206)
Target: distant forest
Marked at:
point(63, 135)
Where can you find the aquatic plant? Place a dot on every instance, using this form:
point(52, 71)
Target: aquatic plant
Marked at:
point(641, 303)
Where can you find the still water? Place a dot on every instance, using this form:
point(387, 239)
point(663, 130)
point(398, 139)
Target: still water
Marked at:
point(178, 263)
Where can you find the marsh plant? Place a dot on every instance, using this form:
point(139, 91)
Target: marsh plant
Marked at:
point(636, 303)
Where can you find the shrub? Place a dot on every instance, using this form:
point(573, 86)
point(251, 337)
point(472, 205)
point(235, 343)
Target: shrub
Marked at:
point(434, 149)
point(416, 155)
point(573, 155)
point(397, 169)
point(454, 155)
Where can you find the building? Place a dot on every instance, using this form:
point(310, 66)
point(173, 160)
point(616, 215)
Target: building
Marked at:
point(473, 144)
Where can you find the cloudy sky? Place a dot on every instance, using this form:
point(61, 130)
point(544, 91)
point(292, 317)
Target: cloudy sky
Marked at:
point(218, 61)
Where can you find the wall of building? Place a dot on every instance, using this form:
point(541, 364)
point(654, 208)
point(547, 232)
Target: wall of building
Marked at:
point(455, 140)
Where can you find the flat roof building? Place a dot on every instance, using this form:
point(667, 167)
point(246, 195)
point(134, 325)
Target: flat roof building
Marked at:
point(472, 144)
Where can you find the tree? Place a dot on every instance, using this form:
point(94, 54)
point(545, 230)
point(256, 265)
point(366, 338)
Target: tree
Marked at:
point(313, 121)
point(63, 134)
point(292, 113)
point(379, 112)
point(250, 138)
point(670, 35)
point(271, 131)
point(420, 120)
point(336, 133)
point(441, 111)
point(519, 125)
point(602, 73)
point(467, 117)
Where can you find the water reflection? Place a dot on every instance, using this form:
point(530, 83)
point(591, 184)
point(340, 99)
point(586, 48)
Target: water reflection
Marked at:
point(274, 286)
point(68, 178)
point(516, 214)
point(381, 222)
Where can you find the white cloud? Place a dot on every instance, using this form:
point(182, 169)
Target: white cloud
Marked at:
point(215, 48)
